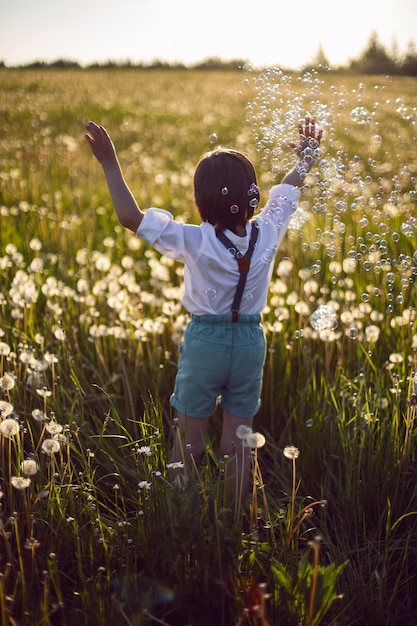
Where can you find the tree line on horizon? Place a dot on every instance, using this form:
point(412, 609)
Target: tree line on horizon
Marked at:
point(375, 59)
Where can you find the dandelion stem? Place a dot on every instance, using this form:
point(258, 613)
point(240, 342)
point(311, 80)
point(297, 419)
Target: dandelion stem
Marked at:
point(254, 506)
point(316, 548)
point(294, 472)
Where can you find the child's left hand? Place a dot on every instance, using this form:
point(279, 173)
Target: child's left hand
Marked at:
point(310, 137)
point(101, 145)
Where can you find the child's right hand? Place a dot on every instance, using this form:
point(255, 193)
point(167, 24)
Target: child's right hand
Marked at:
point(101, 145)
point(307, 151)
point(310, 137)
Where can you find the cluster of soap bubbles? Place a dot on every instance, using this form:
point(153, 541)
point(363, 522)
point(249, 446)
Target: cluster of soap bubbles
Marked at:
point(276, 109)
point(363, 186)
point(279, 100)
point(324, 317)
point(361, 115)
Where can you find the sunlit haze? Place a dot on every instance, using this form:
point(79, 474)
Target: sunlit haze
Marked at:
point(264, 32)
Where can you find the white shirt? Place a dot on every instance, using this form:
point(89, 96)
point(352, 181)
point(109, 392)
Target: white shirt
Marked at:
point(211, 272)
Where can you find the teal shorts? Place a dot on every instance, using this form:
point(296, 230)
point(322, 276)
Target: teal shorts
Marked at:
point(220, 361)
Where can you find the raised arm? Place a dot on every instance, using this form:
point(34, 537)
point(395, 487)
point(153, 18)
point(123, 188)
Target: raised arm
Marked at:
point(307, 150)
point(127, 210)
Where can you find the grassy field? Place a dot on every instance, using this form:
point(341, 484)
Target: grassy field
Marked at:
point(92, 530)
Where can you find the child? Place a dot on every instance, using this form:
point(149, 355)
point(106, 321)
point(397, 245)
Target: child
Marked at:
point(228, 265)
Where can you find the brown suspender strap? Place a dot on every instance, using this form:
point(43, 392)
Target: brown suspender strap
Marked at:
point(243, 261)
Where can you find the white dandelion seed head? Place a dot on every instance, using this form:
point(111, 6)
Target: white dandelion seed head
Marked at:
point(5, 409)
point(35, 244)
point(39, 339)
point(50, 358)
point(291, 452)
point(4, 348)
point(29, 467)
point(372, 333)
point(26, 357)
point(39, 416)
point(349, 265)
point(285, 267)
point(50, 446)
point(19, 482)
point(255, 440)
point(44, 392)
point(328, 335)
point(7, 382)
point(9, 427)
point(53, 428)
point(243, 431)
point(60, 333)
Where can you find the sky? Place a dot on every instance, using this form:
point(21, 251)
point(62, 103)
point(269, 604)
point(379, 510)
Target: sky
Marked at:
point(263, 32)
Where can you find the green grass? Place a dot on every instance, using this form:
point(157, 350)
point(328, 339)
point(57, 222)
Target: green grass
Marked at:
point(90, 322)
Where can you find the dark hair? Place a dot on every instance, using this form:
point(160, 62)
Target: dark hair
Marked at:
point(225, 189)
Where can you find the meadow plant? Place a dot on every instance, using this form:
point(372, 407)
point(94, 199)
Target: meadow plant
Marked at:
point(92, 527)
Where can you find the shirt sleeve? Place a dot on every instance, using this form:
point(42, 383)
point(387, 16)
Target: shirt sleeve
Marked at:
point(153, 224)
point(283, 199)
point(162, 232)
point(277, 213)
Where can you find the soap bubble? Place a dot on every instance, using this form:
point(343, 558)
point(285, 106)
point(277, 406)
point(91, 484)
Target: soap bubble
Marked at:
point(353, 332)
point(210, 293)
point(268, 255)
